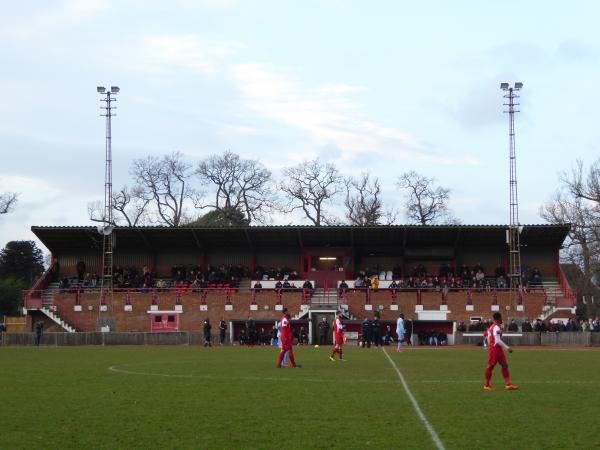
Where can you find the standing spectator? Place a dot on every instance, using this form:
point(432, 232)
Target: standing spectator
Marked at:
point(222, 331)
point(365, 328)
point(207, 327)
point(408, 327)
point(251, 330)
point(323, 331)
point(526, 326)
point(512, 326)
point(400, 330)
point(80, 267)
point(376, 330)
point(38, 328)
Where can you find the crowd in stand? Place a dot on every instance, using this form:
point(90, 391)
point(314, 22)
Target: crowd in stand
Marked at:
point(538, 325)
point(275, 273)
point(447, 278)
point(189, 277)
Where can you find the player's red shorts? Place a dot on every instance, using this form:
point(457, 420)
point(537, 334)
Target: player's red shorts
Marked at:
point(339, 338)
point(496, 356)
point(286, 345)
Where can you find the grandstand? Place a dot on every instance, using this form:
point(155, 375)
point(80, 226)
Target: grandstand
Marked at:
point(171, 279)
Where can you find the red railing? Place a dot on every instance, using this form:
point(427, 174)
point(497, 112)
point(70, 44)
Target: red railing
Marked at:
point(568, 293)
point(42, 282)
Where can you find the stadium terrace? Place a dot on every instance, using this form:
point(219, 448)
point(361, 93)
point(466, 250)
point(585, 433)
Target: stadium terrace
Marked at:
point(171, 279)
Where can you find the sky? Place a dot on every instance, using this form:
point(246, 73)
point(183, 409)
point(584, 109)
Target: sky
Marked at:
point(379, 86)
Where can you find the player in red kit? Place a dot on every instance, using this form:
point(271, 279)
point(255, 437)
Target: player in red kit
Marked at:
point(338, 337)
point(496, 347)
point(285, 334)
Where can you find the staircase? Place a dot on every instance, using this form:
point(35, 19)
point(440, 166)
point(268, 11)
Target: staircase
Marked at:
point(323, 296)
point(57, 320)
point(553, 290)
point(48, 295)
point(244, 285)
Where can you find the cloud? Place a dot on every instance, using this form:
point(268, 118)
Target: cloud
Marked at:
point(202, 55)
point(69, 12)
point(328, 113)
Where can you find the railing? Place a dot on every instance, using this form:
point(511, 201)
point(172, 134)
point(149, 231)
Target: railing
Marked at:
point(568, 293)
point(42, 282)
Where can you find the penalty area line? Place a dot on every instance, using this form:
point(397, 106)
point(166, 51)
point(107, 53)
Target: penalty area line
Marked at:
point(434, 436)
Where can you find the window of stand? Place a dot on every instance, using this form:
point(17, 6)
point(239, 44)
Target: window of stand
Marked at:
point(327, 263)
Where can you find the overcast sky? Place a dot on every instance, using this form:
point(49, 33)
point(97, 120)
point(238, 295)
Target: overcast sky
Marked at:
point(383, 86)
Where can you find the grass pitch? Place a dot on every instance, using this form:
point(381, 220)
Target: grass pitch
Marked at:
point(232, 397)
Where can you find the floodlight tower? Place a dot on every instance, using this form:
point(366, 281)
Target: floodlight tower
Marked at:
point(514, 231)
point(108, 97)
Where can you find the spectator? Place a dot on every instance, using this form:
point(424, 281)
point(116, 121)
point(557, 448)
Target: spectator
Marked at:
point(393, 285)
point(526, 326)
point(388, 338)
point(80, 267)
point(207, 327)
point(243, 338)
point(365, 328)
point(279, 284)
point(257, 285)
point(343, 285)
point(376, 330)
point(251, 331)
point(323, 331)
point(512, 326)
point(303, 337)
point(222, 330)
point(461, 327)
point(374, 282)
point(442, 338)
point(38, 328)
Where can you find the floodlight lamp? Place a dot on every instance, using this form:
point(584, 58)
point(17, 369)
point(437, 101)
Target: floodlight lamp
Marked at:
point(504, 86)
point(114, 89)
point(100, 89)
point(518, 85)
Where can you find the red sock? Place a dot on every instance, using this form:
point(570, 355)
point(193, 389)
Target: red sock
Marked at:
point(281, 355)
point(488, 375)
point(291, 357)
point(506, 375)
point(333, 352)
point(341, 355)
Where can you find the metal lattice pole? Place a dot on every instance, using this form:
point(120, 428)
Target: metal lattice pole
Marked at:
point(108, 97)
point(513, 235)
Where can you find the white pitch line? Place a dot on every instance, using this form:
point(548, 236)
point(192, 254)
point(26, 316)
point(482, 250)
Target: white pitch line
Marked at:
point(434, 436)
point(116, 369)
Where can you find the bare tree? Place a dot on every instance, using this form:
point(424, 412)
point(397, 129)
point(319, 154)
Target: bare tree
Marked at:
point(363, 202)
point(166, 182)
point(585, 186)
point(577, 203)
point(426, 203)
point(239, 184)
point(310, 186)
point(7, 201)
point(130, 207)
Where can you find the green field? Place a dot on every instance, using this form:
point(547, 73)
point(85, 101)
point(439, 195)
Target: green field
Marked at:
point(192, 397)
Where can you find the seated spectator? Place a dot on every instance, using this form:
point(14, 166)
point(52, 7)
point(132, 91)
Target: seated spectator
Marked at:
point(243, 337)
point(393, 285)
point(388, 337)
point(286, 285)
point(343, 285)
point(303, 337)
point(536, 276)
point(257, 285)
point(442, 338)
point(501, 282)
point(374, 282)
point(279, 284)
point(307, 285)
point(499, 271)
point(359, 283)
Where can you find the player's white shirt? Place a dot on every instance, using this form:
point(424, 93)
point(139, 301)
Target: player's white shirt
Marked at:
point(338, 326)
point(400, 326)
point(495, 337)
